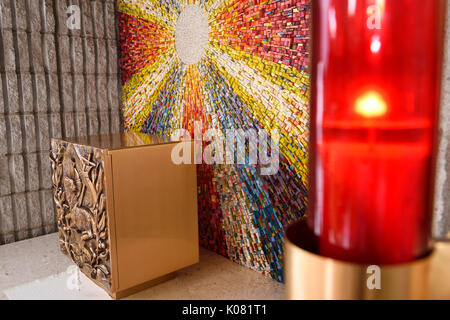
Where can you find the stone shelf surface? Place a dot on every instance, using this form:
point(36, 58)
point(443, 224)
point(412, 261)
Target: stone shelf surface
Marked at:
point(24, 263)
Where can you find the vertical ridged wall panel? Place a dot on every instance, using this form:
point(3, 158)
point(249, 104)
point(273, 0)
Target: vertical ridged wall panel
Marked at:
point(54, 82)
point(442, 207)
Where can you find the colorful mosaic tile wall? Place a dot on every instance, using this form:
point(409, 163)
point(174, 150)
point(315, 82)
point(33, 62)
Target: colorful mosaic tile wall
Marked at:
point(253, 75)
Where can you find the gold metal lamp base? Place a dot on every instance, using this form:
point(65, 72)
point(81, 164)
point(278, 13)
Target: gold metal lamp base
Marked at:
point(310, 276)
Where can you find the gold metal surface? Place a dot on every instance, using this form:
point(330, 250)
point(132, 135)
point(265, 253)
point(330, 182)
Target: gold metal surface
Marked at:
point(440, 271)
point(119, 141)
point(78, 184)
point(109, 192)
point(155, 209)
point(310, 276)
point(143, 286)
point(127, 216)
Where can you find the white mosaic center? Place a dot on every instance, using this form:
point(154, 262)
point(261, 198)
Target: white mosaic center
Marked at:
point(191, 34)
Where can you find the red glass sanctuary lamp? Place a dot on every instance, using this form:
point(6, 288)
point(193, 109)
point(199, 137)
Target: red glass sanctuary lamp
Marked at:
point(376, 79)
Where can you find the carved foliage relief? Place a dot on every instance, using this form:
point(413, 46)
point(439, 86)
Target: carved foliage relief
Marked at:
point(79, 194)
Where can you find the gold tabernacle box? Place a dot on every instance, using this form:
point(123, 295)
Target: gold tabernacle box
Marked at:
point(126, 214)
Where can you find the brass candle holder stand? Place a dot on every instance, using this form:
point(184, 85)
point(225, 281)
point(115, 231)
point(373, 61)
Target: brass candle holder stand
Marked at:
point(310, 276)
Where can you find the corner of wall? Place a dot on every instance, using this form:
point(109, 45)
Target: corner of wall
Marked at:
point(442, 195)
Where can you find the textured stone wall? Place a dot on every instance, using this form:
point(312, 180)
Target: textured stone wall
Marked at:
point(53, 82)
point(442, 208)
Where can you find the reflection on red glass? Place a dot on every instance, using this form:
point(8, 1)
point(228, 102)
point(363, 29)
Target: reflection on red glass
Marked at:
point(375, 101)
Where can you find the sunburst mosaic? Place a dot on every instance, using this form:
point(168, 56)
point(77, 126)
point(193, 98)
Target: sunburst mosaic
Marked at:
point(239, 64)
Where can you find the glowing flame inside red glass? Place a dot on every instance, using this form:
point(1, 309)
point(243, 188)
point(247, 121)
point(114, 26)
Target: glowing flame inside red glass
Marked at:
point(375, 96)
